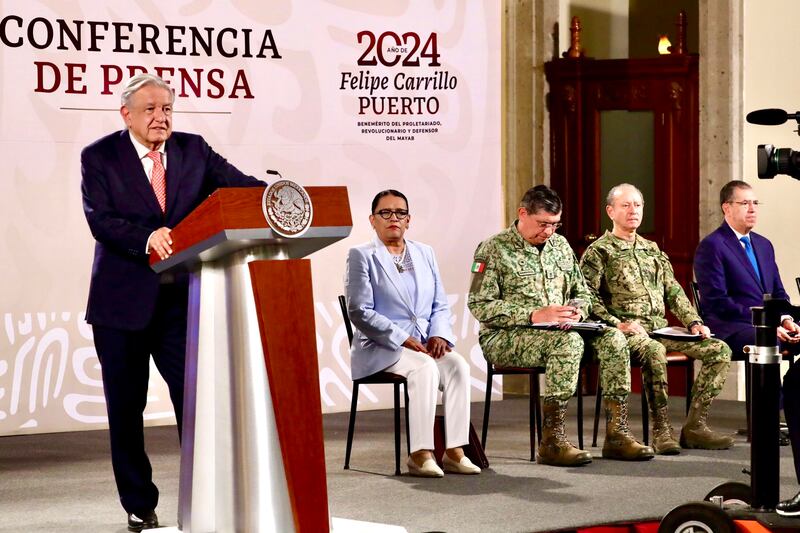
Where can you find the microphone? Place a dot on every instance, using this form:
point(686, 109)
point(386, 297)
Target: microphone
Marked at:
point(274, 173)
point(771, 117)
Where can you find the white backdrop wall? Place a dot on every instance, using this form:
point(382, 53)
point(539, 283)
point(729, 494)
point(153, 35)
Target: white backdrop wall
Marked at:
point(770, 43)
point(294, 109)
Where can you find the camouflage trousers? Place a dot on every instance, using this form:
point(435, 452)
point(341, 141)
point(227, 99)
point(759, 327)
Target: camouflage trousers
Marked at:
point(714, 355)
point(560, 353)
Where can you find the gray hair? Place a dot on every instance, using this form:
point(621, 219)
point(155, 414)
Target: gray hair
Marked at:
point(617, 188)
point(143, 80)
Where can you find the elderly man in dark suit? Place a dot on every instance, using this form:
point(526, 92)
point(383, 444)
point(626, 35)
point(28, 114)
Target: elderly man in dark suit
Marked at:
point(735, 267)
point(137, 184)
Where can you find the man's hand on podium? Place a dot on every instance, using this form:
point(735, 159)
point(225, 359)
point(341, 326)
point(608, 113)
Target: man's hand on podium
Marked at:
point(160, 242)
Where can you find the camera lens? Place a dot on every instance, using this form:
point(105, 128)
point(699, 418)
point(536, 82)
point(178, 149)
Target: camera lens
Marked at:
point(772, 161)
point(764, 155)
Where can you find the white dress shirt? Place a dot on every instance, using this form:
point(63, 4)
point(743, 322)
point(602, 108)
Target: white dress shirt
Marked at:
point(147, 163)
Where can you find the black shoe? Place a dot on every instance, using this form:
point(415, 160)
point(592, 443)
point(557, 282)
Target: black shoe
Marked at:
point(140, 521)
point(783, 440)
point(790, 507)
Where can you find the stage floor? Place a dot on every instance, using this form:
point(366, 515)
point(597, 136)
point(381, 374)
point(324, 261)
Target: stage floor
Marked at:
point(64, 481)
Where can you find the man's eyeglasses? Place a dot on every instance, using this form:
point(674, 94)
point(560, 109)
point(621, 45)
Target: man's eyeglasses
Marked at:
point(748, 203)
point(548, 225)
point(386, 214)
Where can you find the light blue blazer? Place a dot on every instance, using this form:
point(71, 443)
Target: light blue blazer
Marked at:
point(384, 313)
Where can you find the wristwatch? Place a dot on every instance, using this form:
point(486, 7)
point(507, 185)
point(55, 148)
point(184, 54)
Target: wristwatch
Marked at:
point(694, 323)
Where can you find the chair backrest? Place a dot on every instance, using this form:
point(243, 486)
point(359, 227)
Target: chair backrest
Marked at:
point(347, 325)
point(696, 296)
point(797, 280)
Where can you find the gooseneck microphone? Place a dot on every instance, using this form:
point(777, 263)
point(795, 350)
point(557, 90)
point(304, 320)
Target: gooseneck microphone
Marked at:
point(771, 117)
point(274, 173)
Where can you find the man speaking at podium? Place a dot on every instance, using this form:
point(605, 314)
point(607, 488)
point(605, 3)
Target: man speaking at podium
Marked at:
point(137, 184)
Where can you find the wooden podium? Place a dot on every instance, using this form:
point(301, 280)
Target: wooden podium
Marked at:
point(252, 453)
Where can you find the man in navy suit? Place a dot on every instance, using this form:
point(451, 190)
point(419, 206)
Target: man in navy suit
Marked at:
point(138, 184)
point(735, 267)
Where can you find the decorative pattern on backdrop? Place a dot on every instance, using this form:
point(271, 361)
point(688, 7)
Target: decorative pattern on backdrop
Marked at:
point(371, 95)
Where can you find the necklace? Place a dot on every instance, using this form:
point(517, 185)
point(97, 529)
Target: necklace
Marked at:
point(398, 261)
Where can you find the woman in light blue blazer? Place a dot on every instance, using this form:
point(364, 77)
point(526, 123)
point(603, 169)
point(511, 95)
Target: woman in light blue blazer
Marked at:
point(396, 301)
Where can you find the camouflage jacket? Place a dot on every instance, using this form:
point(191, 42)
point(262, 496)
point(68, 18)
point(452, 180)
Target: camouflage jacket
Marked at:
point(633, 281)
point(511, 278)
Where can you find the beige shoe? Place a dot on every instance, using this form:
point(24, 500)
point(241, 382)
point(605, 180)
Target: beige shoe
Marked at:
point(464, 466)
point(428, 469)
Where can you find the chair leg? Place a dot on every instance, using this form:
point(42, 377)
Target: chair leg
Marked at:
point(396, 429)
point(597, 410)
point(487, 403)
point(408, 433)
point(645, 417)
point(532, 400)
point(689, 384)
point(538, 410)
point(351, 426)
point(580, 407)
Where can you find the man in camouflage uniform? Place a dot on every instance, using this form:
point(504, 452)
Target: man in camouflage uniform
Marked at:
point(631, 280)
point(526, 275)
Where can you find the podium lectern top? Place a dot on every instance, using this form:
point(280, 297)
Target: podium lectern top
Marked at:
point(231, 219)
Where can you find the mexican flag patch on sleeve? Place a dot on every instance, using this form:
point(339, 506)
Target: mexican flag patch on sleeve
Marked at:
point(478, 267)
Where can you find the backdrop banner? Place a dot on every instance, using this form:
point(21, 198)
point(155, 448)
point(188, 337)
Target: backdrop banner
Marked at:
point(371, 95)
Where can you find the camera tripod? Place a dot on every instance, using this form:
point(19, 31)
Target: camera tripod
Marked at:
point(733, 501)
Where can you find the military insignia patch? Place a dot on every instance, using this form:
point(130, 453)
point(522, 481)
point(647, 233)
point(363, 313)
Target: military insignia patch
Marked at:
point(478, 267)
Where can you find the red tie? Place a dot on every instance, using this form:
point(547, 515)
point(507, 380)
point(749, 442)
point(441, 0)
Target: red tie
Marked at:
point(157, 180)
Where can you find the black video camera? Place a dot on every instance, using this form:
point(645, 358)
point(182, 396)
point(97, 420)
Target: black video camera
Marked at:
point(771, 160)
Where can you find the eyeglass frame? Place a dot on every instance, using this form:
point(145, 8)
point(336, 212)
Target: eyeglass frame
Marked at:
point(548, 225)
point(754, 203)
point(386, 214)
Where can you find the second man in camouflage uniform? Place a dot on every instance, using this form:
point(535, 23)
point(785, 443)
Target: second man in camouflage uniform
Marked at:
point(632, 281)
point(526, 275)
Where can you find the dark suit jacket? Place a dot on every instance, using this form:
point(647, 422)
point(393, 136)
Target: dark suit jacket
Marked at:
point(727, 282)
point(122, 212)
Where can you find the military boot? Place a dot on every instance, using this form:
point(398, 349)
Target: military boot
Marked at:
point(619, 443)
point(664, 442)
point(555, 449)
point(697, 434)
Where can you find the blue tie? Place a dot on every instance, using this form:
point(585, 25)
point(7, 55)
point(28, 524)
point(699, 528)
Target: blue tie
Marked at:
point(748, 249)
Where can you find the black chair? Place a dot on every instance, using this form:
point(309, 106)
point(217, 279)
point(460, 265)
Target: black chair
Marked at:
point(534, 414)
point(379, 378)
point(696, 297)
point(786, 355)
point(734, 357)
point(535, 411)
point(673, 358)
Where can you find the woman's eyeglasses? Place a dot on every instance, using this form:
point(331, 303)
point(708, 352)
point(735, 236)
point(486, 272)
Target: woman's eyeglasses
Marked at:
point(386, 214)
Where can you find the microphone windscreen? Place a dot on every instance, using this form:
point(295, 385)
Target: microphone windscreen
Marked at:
point(767, 117)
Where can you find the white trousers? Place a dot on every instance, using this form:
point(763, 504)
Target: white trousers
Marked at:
point(426, 376)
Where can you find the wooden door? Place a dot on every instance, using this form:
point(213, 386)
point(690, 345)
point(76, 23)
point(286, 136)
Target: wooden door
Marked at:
point(663, 88)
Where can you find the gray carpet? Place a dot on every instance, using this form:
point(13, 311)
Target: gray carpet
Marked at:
point(61, 482)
